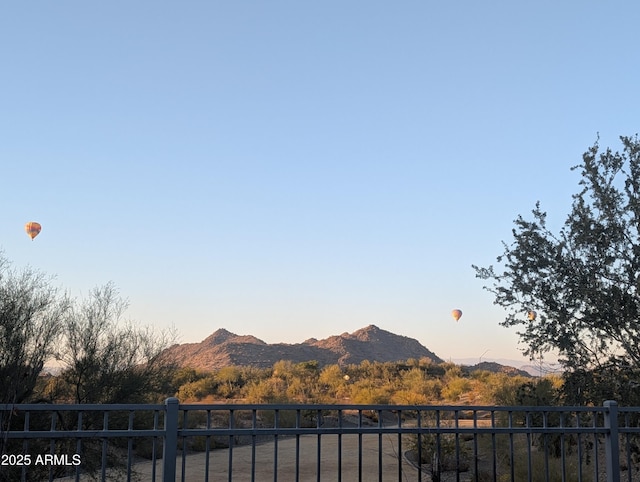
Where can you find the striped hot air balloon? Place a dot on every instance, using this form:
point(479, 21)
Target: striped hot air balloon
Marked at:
point(33, 229)
point(456, 314)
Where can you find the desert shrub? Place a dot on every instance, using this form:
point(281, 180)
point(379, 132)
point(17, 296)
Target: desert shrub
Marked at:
point(455, 387)
point(408, 397)
point(366, 393)
point(272, 390)
point(451, 371)
point(503, 389)
point(332, 382)
point(432, 389)
point(198, 389)
point(185, 375)
point(230, 380)
point(413, 379)
point(433, 370)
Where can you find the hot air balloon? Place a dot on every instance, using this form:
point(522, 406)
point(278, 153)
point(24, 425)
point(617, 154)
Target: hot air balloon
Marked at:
point(32, 229)
point(531, 315)
point(456, 314)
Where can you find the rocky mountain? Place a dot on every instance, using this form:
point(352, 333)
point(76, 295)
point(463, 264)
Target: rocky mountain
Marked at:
point(223, 348)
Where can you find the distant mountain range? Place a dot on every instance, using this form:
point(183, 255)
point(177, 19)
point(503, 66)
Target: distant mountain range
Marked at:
point(223, 348)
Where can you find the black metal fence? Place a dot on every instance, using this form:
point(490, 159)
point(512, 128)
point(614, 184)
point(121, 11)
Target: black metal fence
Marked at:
point(193, 442)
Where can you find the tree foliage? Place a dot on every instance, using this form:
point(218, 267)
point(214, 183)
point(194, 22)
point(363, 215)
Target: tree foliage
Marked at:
point(584, 280)
point(30, 313)
point(104, 359)
point(109, 360)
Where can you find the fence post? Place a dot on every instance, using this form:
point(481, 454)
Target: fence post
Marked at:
point(170, 446)
point(611, 442)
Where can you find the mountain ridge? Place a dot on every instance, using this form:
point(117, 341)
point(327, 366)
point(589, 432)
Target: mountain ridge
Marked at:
point(224, 348)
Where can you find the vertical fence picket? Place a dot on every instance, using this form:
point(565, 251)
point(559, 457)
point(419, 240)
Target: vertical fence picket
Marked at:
point(612, 444)
point(105, 427)
point(170, 446)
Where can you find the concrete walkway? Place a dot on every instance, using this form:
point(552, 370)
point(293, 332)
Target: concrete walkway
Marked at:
point(286, 466)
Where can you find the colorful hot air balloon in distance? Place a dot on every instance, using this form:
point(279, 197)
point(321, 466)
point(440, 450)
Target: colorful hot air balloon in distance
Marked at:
point(456, 314)
point(32, 229)
point(531, 315)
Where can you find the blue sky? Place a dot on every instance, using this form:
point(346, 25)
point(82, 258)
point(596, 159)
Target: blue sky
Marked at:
point(301, 169)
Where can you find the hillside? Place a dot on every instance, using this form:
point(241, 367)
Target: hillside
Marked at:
point(494, 367)
point(223, 348)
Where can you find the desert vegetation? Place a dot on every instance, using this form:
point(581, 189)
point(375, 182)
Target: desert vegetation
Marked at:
point(413, 382)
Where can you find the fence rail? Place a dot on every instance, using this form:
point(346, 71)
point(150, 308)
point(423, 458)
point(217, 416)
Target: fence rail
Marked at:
point(194, 442)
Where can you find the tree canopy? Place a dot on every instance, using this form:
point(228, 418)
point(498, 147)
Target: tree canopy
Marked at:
point(31, 310)
point(583, 280)
point(102, 358)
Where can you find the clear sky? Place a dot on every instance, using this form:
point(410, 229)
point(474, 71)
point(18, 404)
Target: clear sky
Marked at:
point(301, 169)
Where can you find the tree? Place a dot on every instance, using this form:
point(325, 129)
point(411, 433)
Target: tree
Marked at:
point(583, 281)
point(333, 382)
point(31, 311)
point(106, 362)
point(110, 361)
